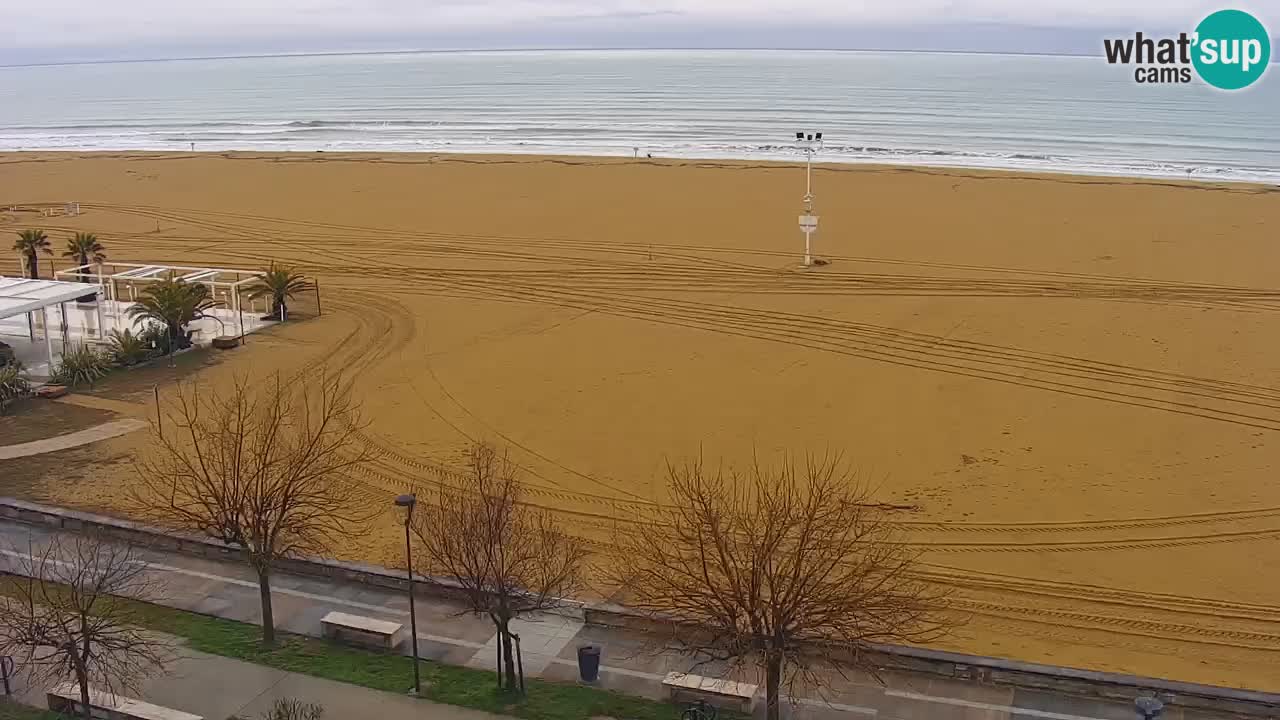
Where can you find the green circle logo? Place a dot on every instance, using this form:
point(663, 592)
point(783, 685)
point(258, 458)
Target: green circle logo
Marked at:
point(1232, 49)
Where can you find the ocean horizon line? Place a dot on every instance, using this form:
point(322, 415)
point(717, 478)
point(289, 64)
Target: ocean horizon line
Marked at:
point(548, 49)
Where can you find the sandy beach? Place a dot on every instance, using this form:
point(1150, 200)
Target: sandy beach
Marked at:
point(1072, 382)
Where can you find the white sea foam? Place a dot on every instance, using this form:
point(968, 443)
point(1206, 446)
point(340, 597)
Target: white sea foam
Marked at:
point(1024, 113)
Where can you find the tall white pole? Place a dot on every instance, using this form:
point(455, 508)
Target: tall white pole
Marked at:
point(48, 341)
point(98, 300)
point(63, 326)
point(808, 178)
point(97, 309)
point(808, 143)
point(808, 200)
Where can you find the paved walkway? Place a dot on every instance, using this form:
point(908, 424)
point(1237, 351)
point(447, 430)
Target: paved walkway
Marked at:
point(217, 688)
point(448, 634)
point(98, 402)
point(106, 430)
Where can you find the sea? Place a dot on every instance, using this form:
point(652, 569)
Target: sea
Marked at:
point(1023, 112)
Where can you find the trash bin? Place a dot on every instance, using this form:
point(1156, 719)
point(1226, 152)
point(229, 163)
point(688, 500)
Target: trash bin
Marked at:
point(589, 663)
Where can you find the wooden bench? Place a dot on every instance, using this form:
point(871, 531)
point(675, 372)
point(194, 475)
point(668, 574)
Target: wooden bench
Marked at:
point(362, 630)
point(66, 699)
point(684, 687)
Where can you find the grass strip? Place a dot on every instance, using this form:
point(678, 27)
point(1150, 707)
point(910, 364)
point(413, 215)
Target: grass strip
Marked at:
point(10, 710)
point(449, 684)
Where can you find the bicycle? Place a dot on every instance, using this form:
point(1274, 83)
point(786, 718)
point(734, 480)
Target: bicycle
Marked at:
point(699, 710)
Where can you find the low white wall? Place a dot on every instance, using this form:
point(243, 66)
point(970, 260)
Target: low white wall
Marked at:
point(82, 320)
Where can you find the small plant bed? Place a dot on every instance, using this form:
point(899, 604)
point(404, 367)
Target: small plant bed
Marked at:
point(128, 349)
point(448, 684)
point(131, 351)
point(83, 364)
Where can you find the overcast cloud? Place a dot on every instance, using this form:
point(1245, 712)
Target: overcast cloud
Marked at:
point(57, 30)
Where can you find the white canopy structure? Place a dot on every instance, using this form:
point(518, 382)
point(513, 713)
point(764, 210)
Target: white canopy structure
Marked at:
point(23, 296)
point(88, 310)
point(120, 282)
point(19, 296)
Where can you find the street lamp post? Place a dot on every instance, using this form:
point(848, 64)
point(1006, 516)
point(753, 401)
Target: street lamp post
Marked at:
point(809, 144)
point(407, 502)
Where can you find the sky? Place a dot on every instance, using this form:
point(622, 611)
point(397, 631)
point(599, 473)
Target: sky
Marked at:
point(39, 31)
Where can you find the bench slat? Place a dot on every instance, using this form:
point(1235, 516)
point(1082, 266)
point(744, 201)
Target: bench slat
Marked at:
point(365, 624)
point(713, 686)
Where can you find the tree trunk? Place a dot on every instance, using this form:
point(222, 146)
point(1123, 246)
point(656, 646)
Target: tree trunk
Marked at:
point(78, 657)
point(268, 618)
point(773, 683)
point(508, 658)
point(174, 334)
point(497, 666)
point(82, 679)
point(33, 261)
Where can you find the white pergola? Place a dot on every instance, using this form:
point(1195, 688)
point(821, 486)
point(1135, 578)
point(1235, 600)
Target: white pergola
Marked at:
point(111, 277)
point(22, 296)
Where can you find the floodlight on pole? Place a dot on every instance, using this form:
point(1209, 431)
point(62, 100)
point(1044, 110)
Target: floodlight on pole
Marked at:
point(809, 144)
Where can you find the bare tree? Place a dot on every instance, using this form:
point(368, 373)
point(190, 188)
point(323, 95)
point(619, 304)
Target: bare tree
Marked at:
point(506, 557)
point(789, 571)
point(269, 470)
point(72, 614)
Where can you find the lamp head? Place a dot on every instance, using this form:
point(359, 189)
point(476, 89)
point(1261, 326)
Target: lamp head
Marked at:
point(407, 501)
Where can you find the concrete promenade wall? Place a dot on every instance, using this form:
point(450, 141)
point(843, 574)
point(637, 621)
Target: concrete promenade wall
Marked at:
point(973, 668)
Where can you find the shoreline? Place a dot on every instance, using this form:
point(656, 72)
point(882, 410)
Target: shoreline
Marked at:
point(852, 166)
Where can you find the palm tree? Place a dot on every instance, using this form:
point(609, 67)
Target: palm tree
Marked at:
point(172, 304)
point(31, 243)
point(281, 284)
point(85, 248)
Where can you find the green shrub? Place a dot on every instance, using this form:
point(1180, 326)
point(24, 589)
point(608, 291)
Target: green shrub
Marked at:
point(129, 349)
point(82, 364)
point(12, 385)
